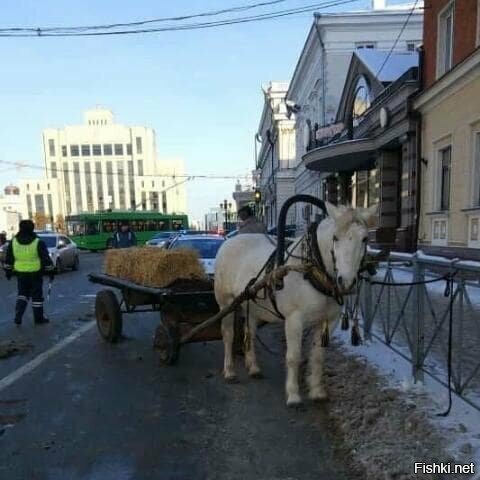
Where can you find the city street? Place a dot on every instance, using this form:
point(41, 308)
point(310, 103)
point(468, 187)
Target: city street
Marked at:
point(74, 407)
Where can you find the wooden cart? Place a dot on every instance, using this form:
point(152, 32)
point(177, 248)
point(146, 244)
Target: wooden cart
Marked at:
point(182, 306)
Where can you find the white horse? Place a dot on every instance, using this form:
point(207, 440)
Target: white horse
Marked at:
point(342, 240)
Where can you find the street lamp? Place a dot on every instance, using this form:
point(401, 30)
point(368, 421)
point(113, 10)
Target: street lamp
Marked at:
point(226, 206)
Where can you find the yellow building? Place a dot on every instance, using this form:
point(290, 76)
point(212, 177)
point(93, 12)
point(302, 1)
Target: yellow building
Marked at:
point(450, 152)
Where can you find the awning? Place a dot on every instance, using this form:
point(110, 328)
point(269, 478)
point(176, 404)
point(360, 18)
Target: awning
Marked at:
point(350, 155)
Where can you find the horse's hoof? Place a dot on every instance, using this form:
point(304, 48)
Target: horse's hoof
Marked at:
point(293, 401)
point(318, 396)
point(231, 379)
point(256, 374)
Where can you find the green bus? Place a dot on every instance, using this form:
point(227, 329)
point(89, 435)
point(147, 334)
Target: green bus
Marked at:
point(94, 231)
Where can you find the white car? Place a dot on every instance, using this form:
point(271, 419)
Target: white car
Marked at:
point(206, 245)
point(63, 252)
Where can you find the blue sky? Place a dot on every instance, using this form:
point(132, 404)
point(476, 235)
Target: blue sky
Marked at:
point(200, 90)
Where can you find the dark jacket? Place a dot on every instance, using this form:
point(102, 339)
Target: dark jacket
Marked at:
point(42, 250)
point(124, 239)
point(251, 225)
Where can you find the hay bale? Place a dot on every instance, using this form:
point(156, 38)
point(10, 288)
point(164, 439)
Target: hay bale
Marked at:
point(153, 267)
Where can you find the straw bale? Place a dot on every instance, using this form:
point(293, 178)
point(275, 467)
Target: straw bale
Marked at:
point(152, 266)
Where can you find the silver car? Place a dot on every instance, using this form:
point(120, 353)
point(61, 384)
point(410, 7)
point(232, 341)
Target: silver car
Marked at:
point(63, 252)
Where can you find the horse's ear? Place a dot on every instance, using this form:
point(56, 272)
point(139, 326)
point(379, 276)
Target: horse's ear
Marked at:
point(332, 210)
point(369, 214)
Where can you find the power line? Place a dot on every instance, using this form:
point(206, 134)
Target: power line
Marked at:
point(211, 13)
point(93, 172)
point(404, 26)
point(39, 32)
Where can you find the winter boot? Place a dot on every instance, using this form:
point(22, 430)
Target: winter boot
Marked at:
point(38, 316)
point(20, 308)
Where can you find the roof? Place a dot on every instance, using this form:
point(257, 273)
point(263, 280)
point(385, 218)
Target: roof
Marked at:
point(396, 63)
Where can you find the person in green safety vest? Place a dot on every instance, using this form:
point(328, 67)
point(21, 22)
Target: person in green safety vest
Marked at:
point(27, 257)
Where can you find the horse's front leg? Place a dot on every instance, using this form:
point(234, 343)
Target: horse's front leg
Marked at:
point(293, 333)
point(227, 335)
point(250, 356)
point(316, 388)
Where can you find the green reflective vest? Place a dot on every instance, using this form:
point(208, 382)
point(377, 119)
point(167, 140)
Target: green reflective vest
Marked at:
point(26, 257)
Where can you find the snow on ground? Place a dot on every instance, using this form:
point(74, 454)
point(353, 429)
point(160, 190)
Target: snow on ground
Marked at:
point(386, 422)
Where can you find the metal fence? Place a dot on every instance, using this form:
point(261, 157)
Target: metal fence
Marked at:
point(412, 317)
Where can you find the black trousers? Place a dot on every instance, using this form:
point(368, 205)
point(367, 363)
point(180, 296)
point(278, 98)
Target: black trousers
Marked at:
point(30, 286)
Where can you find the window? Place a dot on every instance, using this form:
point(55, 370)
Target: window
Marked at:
point(77, 186)
point(361, 101)
point(118, 149)
point(410, 46)
point(445, 160)
point(140, 167)
point(85, 150)
point(129, 148)
point(97, 150)
point(74, 151)
point(28, 187)
point(53, 169)
point(476, 170)
point(109, 184)
point(99, 182)
point(51, 147)
point(445, 40)
point(362, 45)
point(64, 150)
point(39, 204)
point(164, 202)
point(89, 186)
point(107, 149)
point(66, 182)
point(121, 184)
point(138, 141)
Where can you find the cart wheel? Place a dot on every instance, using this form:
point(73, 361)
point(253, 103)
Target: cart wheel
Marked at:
point(108, 315)
point(166, 343)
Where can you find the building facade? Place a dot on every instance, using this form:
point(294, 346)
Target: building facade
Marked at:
point(10, 207)
point(372, 159)
point(314, 92)
point(276, 158)
point(450, 114)
point(102, 165)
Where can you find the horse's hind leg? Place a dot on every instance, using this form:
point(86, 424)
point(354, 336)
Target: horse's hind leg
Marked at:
point(315, 375)
point(250, 356)
point(228, 334)
point(293, 332)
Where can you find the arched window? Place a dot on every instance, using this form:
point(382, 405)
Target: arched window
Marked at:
point(361, 99)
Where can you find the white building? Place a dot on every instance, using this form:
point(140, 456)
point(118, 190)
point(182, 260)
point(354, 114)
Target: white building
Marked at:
point(10, 206)
point(103, 165)
point(312, 97)
point(276, 157)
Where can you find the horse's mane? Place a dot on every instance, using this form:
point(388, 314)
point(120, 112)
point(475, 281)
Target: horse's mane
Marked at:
point(348, 217)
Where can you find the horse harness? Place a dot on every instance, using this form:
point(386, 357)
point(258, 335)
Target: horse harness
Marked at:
point(314, 269)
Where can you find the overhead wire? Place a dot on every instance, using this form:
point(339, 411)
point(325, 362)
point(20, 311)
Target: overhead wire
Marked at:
point(93, 172)
point(40, 32)
point(395, 43)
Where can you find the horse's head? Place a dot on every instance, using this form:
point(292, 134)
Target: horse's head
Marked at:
point(348, 236)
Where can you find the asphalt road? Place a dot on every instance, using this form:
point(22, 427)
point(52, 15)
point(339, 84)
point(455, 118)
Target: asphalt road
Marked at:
point(93, 411)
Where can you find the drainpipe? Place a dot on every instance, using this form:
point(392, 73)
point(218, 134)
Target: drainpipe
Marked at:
point(418, 168)
point(322, 45)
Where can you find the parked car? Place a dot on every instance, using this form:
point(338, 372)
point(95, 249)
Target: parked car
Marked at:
point(206, 245)
point(3, 252)
point(231, 234)
point(162, 239)
point(63, 252)
point(289, 230)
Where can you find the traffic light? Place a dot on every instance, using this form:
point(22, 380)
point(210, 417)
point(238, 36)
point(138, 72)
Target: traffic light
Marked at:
point(258, 196)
